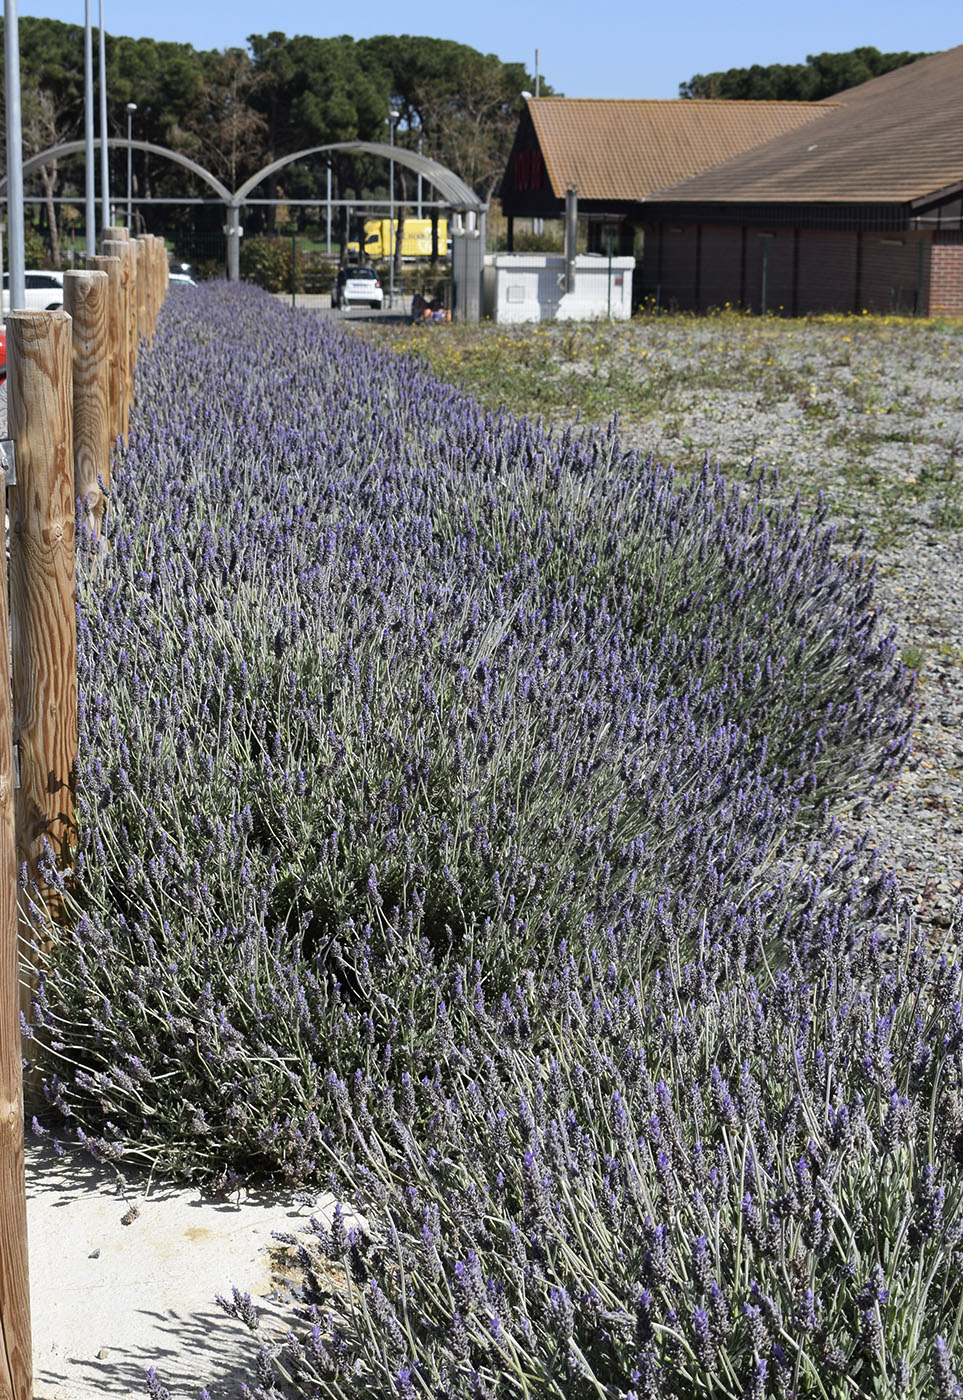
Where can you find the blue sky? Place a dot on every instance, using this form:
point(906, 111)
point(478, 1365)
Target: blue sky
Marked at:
point(616, 50)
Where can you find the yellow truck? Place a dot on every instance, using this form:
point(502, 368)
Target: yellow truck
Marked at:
point(379, 238)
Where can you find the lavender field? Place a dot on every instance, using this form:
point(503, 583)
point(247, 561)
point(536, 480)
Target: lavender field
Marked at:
point(442, 786)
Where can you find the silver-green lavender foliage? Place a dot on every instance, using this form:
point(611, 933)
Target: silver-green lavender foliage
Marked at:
point(440, 785)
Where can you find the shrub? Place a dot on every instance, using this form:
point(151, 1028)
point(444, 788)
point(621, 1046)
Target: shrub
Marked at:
point(718, 1185)
point(401, 688)
point(266, 262)
point(444, 801)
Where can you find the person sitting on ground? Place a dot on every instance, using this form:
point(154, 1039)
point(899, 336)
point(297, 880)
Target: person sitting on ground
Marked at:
point(419, 307)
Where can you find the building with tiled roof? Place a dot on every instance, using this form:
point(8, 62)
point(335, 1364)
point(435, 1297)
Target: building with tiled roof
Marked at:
point(851, 204)
point(617, 152)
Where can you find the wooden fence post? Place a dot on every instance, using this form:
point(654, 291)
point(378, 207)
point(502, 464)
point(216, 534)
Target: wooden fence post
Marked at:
point(158, 263)
point(16, 1352)
point(42, 587)
point(136, 272)
point(115, 232)
point(115, 326)
point(143, 289)
point(85, 298)
point(150, 286)
point(120, 248)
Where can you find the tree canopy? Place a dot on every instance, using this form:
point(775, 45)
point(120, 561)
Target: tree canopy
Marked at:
point(235, 110)
point(822, 75)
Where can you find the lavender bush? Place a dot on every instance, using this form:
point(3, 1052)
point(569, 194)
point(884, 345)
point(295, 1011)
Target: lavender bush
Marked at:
point(443, 811)
point(728, 1186)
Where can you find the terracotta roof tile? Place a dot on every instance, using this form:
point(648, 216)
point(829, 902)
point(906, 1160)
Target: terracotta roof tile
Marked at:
point(894, 139)
point(623, 150)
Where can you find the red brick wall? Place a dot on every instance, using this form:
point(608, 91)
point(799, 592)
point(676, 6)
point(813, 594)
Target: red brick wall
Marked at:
point(721, 266)
point(890, 269)
point(770, 255)
point(806, 270)
point(828, 269)
point(669, 270)
point(946, 275)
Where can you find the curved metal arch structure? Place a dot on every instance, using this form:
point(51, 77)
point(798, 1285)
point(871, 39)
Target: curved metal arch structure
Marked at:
point(460, 197)
point(449, 185)
point(73, 148)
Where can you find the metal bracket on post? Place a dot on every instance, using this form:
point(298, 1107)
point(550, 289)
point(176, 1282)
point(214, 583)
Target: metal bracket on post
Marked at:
point(8, 460)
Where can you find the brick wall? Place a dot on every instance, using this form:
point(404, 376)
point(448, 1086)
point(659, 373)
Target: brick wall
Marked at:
point(721, 256)
point(770, 263)
point(893, 273)
point(669, 266)
point(946, 275)
point(800, 271)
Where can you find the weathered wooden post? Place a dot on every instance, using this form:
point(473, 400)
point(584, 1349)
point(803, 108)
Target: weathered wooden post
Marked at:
point(143, 289)
point(116, 233)
point(136, 273)
point(120, 248)
point(156, 297)
point(160, 271)
point(16, 1352)
point(42, 587)
point(85, 298)
point(157, 290)
point(115, 327)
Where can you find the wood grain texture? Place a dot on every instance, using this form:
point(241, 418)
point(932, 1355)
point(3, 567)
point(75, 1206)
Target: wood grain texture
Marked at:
point(116, 232)
point(145, 306)
point(85, 299)
point(42, 583)
point(120, 248)
point(143, 281)
point(158, 259)
point(114, 327)
point(135, 294)
point(16, 1359)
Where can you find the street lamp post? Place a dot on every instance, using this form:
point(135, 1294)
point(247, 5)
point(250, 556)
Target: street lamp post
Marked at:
point(90, 174)
point(105, 217)
point(131, 109)
point(392, 122)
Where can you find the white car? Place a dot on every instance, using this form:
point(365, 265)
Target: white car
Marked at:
point(357, 286)
point(45, 291)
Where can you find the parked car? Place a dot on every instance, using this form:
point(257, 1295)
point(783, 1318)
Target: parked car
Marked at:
point(357, 285)
point(44, 291)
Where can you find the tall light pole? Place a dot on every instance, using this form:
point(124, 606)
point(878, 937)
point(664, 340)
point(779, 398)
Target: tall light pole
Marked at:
point(392, 122)
point(419, 180)
point(105, 219)
point(131, 109)
point(90, 173)
point(15, 248)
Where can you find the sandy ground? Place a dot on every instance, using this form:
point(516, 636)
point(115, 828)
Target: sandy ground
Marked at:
point(123, 1277)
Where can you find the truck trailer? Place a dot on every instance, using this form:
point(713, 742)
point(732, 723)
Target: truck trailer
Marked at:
point(379, 238)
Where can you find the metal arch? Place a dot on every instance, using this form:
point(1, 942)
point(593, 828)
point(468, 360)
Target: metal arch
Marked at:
point(71, 148)
point(449, 185)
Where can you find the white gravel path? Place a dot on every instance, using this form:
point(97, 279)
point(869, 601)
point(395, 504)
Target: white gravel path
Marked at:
point(124, 1276)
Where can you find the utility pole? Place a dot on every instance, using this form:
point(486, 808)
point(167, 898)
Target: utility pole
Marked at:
point(11, 66)
point(90, 172)
point(105, 219)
